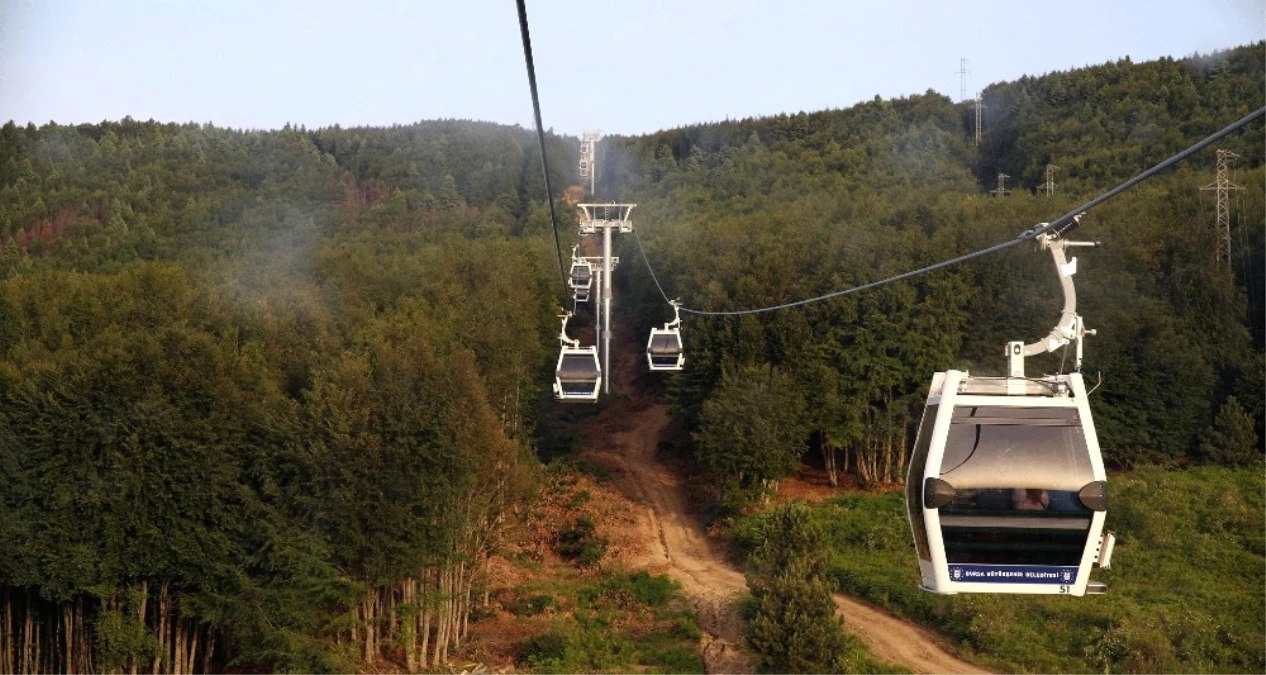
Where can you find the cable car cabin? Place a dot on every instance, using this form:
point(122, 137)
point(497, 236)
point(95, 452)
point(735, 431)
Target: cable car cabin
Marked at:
point(578, 376)
point(663, 350)
point(1006, 491)
point(581, 280)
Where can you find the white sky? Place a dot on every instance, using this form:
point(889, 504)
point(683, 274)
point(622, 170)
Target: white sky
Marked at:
point(624, 66)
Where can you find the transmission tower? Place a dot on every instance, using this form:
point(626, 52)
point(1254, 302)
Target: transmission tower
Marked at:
point(1049, 187)
point(1222, 186)
point(962, 85)
point(980, 107)
point(588, 150)
point(1001, 190)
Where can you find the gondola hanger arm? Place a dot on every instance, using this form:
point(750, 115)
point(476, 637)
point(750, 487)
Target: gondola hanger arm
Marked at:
point(562, 333)
point(1071, 326)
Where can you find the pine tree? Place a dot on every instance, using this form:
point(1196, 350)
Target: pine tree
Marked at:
point(752, 431)
point(793, 626)
point(1231, 440)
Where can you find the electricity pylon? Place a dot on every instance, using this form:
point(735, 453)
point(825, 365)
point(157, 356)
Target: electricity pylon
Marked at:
point(1222, 186)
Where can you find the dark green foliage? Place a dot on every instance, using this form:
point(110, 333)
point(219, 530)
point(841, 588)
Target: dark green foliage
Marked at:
point(1231, 440)
point(545, 650)
point(791, 623)
point(652, 591)
point(756, 212)
point(253, 372)
point(531, 605)
point(578, 542)
point(751, 432)
point(679, 660)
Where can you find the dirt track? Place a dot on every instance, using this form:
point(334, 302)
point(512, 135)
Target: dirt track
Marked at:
point(678, 545)
point(681, 548)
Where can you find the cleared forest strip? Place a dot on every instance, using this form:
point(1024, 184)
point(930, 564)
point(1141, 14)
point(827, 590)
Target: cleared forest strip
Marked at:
point(681, 548)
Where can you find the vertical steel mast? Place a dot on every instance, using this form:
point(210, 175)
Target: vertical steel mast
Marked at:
point(588, 156)
point(606, 308)
point(608, 218)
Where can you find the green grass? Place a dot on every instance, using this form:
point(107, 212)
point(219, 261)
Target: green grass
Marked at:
point(1187, 592)
point(618, 622)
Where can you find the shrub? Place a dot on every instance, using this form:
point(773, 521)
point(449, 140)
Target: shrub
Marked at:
point(530, 605)
point(679, 660)
point(651, 590)
point(579, 543)
point(546, 652)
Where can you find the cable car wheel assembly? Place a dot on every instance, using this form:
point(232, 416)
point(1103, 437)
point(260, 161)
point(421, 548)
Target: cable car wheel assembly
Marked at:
point(1006, 491)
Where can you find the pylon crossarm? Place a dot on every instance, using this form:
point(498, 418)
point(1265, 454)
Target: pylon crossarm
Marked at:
point(589, 212)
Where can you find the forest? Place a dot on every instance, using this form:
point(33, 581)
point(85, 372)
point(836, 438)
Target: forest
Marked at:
point(269, 399)
point(254, 412)
point(757, 212)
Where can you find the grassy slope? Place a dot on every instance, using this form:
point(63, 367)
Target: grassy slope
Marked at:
point(1186, 593)
point(570, 604)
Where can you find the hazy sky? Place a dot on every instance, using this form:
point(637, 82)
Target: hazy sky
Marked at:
point(624, 66)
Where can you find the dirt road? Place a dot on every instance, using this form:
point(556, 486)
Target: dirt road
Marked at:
point(680, 546)
point(682, 549)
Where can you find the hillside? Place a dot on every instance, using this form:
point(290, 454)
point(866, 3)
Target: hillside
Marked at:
point(269, 400)
point(252, 412)
point(757, 212)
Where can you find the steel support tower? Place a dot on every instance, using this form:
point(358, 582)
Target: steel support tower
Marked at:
point(588, 154)
point(1001, 190)
point(608, 218)
point(1222, 187)
point(980, 107)
point(962, 72)
point(1049, 186)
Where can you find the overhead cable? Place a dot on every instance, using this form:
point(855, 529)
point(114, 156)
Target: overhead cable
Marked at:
point(649, 268)
point(540, 136)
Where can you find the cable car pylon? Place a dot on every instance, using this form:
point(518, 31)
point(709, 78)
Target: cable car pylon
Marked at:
point(608, 218)
point(1006, 491)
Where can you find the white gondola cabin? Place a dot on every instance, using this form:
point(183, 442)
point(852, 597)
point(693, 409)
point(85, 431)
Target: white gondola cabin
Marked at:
point(580, 280)
point(1006, 491)
point(664, 351)
point(578, 375)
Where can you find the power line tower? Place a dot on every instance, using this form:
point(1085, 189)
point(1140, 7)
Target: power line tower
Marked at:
point(980, 107)
point(1049, 187)
point(1001, 190)
point(1222, 186)
point(962, 84)
point(588, 150)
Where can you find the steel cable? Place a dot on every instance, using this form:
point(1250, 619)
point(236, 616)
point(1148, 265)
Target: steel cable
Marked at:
point(540, 137)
